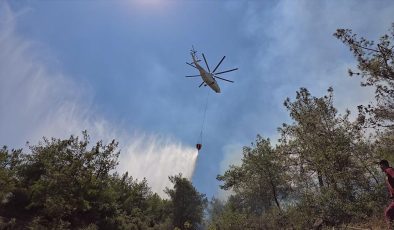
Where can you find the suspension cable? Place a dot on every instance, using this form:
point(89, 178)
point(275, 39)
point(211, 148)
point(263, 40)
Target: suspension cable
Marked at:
point(204, 116)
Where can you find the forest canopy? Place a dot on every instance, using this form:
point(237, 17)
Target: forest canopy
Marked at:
point(65, 184)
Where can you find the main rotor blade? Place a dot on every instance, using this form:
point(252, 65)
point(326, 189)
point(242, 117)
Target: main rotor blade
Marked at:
point(218, 64)
point(206, 63)
point(227, 71)
point(201, 84)
point(223, 79)
point(191, 65)
point(193, 75)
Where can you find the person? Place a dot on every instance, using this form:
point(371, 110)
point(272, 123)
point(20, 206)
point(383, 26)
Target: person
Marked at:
point(389, 211)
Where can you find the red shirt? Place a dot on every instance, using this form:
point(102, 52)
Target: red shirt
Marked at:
point(390, 180)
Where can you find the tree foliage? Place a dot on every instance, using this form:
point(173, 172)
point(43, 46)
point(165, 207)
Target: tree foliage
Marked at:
point(225, 216)
point(187, 203)
point(321, 172)
point(258, 182)
point(326, 155)
point(72, 184)
point(376, 67)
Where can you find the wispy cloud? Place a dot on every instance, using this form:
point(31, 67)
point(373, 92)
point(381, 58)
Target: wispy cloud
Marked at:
point(37, 99)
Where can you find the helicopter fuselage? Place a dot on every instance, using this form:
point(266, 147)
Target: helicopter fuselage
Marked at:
point(207, 77)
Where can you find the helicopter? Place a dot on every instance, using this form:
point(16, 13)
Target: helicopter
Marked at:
point(208, 77)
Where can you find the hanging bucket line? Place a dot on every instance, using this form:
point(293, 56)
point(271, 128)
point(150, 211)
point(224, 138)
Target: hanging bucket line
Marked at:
point(204, 118)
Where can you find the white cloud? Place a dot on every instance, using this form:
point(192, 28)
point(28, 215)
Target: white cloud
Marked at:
point(37, 99)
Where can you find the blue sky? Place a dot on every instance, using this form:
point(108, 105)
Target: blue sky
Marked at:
point(116, 69)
